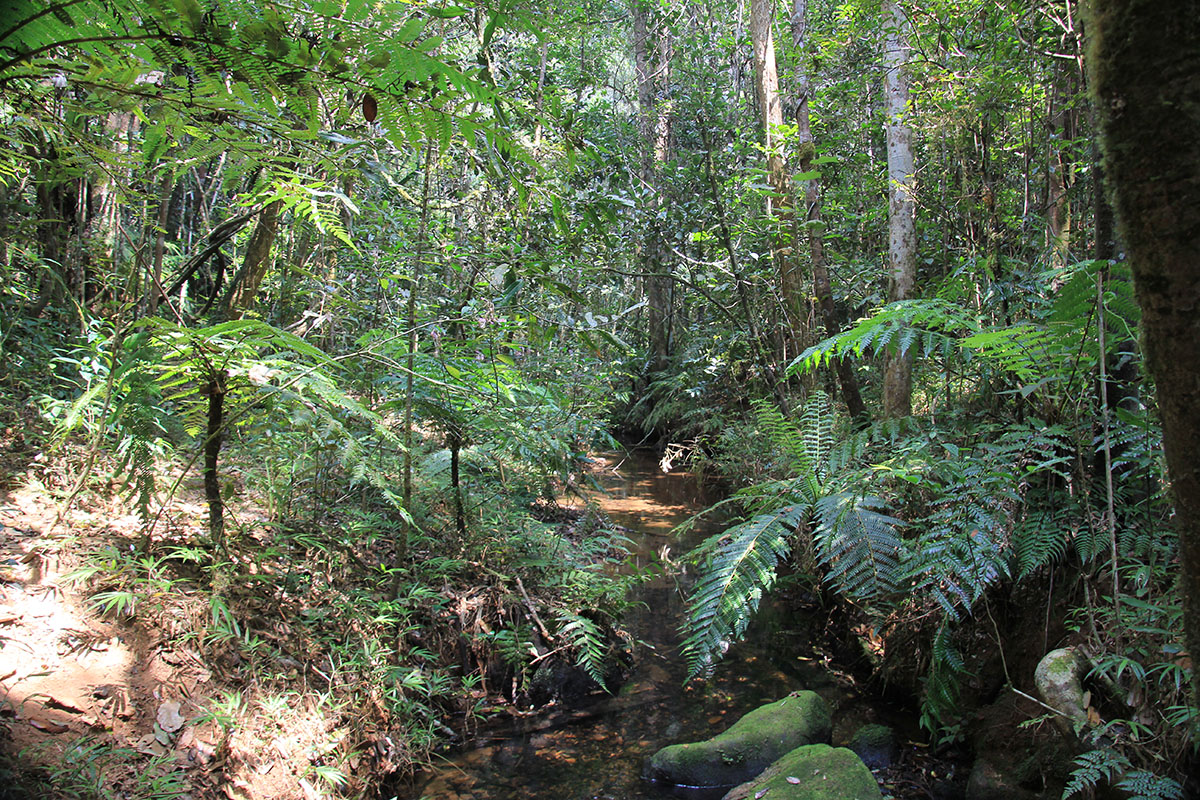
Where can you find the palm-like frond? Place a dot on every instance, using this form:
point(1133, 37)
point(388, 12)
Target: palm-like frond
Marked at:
point(859, 545)
point(739, 567)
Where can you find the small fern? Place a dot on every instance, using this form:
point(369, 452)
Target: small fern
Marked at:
point(587, 641)
point(1142, 785)
point(1094, 768)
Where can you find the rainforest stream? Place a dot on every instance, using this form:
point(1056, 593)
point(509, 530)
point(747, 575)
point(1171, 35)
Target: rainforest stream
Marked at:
point(597, 751)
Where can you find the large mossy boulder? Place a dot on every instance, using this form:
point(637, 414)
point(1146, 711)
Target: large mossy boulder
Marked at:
point(1059, 681)
point(748, 747)
point(812, 772)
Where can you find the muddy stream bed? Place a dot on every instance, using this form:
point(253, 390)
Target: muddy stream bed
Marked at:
point(596, 751)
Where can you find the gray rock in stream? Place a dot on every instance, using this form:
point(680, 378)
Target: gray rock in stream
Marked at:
point(748, 747)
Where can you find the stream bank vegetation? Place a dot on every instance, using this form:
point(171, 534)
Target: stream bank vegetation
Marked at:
point(311, 313)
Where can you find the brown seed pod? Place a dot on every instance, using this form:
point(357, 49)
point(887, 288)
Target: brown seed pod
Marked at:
point(370, 108)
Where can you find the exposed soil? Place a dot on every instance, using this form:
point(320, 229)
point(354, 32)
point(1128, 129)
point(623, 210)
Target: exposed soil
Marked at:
point(91, 698)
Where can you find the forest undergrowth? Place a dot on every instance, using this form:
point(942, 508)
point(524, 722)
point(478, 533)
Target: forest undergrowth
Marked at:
point(301, 654)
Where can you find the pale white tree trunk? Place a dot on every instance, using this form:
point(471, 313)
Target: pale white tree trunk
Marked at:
point(902, 228)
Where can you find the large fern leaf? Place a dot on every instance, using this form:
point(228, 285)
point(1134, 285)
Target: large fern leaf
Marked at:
point(740, 566)
point(859, 545)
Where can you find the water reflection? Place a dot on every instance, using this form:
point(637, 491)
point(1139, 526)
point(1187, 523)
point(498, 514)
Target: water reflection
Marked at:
point(598, 752)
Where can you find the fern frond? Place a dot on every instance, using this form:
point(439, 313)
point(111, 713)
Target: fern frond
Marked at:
point(892, 329)
point(858, 545)
point(1094, 768)
point(587, 642)
point(740, 566)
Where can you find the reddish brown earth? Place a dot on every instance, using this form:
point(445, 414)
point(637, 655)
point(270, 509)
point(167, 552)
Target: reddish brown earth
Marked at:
point(131, 696)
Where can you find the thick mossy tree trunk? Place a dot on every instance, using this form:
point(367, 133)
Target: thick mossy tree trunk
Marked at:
point(1145, 63)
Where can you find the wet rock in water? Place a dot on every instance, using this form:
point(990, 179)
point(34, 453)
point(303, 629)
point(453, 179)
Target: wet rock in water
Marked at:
point(748, 747)
point(812, 772)
point(876, 745)
point(560, 680)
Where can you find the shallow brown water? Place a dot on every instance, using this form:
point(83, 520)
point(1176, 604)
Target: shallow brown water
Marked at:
point(598, 752)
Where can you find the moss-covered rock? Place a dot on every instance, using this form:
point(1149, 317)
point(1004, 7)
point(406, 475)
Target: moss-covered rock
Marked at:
point(812, 772)
point(748, 747)
point(876, 745)
point(1059, 680)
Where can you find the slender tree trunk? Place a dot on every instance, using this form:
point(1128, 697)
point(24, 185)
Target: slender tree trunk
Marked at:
point(410, 362)
point(902, 229)
point(244, 287)
point(652, 71)
point(1063, 124)
point(541, 91)
point(1144, 62)
point(455, 442)
point(779, 203)
point(214, 434)
point(757, 343)
point(807, 150)
point(154, 291)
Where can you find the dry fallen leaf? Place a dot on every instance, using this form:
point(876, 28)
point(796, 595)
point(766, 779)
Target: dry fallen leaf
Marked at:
point(49, 726)
point(792, 779)
point(169, 718)
point(148, 745)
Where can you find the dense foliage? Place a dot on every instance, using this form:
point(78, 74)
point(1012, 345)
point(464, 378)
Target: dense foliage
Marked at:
point(372, 278)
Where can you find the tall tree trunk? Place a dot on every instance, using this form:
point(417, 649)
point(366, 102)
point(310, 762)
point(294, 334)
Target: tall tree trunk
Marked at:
point(807, 150)
point(757, 343)
point(1063, 121)
point(902, 228)
point(652, 70)
point(410, 362)
point(1144, 63)
point(541, 91)
point(154, 290)
point(779, 203)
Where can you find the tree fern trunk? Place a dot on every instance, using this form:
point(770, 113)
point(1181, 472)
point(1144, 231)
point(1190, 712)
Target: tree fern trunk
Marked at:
point(212, 451)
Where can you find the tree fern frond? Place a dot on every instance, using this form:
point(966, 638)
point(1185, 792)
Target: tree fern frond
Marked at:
point(940, 320)
point(740, 566)
point(858, 545)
